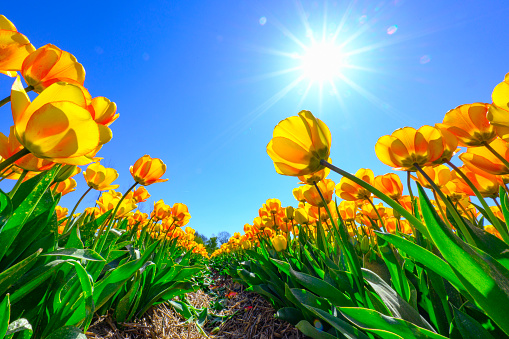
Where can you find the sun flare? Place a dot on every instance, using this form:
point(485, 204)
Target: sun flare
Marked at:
point(322, 62)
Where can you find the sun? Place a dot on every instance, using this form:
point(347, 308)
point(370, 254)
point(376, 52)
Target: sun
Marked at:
point(322, 62)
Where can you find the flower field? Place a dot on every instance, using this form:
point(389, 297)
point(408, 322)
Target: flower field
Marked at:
point(355, 257)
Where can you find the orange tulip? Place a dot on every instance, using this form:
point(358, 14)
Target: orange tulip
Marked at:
point(180, 214)
point(486, 183)
point(109, 201)
point(160, 211)
point(14, 48)
point(440, 175)
point(349, 190)
point(483, 159)
point(57, 125)
point(469, 124)
point(347, 210)
point(390, 185)
point(298, 144)
point(498, 113)
point(105, 111)
point(10, 146)
point(406, 202)
point(95, 211)
point(368, 210)
point(310, 179)
point(49, 64)
point(147, 171)
point(492, 230)
point(64, 187)
point(100, 178)
point(312, 196)
point(391, 223)
point(407, 146)
point(141, 194)
point(61, 212)
point(272, 206)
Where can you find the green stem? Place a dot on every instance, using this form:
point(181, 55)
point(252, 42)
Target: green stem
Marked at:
point(494, 219)
point(498, 205)
point(440, 206)
point(403, 212)
point(449, 206)
point(408, 183)
point(18, 183)
point(378, 214)
point(110, 223)
point(74, 210)
point(495, 153)
point(6, 100)
point(13, 158)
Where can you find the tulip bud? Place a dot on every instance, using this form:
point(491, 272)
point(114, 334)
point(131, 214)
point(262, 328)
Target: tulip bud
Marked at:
point(279, 242)
point(365, 244)
point(65, 172)
point(289, 212)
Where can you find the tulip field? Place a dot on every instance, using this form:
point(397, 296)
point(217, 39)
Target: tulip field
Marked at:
point(354, 258)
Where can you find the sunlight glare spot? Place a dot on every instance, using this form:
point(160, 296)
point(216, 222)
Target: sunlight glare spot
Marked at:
point(322, 62)
point(263, 20)
point(391, 30)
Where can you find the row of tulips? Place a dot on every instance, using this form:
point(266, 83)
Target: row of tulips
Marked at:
point(407, 267)
point(59, 269)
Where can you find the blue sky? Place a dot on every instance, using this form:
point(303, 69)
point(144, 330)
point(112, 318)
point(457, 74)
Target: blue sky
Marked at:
point(201, 84)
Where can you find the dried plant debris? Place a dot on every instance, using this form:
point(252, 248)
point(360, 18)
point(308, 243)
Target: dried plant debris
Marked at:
point(250, 316)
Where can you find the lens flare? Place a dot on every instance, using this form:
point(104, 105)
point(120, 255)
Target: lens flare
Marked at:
point(322, 62)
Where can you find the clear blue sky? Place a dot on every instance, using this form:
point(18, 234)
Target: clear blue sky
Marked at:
point(200, 85)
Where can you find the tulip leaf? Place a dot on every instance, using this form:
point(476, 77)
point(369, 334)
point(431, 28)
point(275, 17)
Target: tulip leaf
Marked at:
point(342, 326)
point(23, 212)
point(309, 330)
point(5, 209)
point(290, 314)
point(398, 277)
point(423, 256)
point(10, 276)
point(469, 327)
point(5, 314)
point(67, 332)
point(86, 254)
point(322, 288)
point(18, 326)
point(482, 276)
point(398, 307)
point(378, 323)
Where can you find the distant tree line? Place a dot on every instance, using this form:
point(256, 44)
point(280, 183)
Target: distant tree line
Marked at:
point(214, 242)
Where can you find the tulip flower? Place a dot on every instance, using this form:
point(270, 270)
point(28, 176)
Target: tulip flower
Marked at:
point(100, 178)
point(482, 158)
point(180, 214)
point(440, 175)
point(298, 194)
point(64, 187)
point(104, 111)
point(498, 113)
point(390, 185)
point(160, 211)
point(9, 146)
point(312, 196)
point(14, 48)
point(61, 212)
point(298, 144)
point(310, 179)
point(95, 211)
point(57, 125)
point(469, 124)
point(109, 201)
point(407, 146)
point(141, 194)
point(486, 183)
point(49, 64)
point(147, 171)
point(279, 242)
point(347, 210)
point(349, 190)
point(403, 225)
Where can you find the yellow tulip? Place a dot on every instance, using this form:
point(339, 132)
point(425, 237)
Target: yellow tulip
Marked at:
point(100, 178)
point(279, 242)
point(147, 171)
point(57, 125)
point(298, 145)
point(14, 47)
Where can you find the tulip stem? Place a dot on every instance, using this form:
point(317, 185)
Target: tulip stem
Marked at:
point(403, 212)
point(110, 223)
point(18, 183)
point(74, 210)
point(440, 207)
point(6, 100)
point(378, 214)
point(494, 220)
point(409, 185)
point(13, 158)
point(495, 153)
point(498, 205)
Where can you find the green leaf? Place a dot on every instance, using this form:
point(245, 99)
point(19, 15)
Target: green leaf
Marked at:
point(67, 332)
point(10, 276)
point(24, 211)
point(342, 326)
point(322, 288)
point(250, 278)
point(399, 308)
point(86, 254)
point(469, 327)
point(483, 277)
point(378, 323)
point(5, 209)
point(290, 314)
point(125, 304)
point(5, 314)
point(19, 326)
point(398, 277)
point(87, 290)
point(305, 327)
